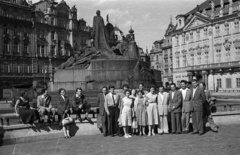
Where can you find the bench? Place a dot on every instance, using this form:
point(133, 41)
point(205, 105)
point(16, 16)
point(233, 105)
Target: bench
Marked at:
point(7, 117)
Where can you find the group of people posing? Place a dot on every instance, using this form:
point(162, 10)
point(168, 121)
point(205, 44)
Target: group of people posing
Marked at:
point(137, 108)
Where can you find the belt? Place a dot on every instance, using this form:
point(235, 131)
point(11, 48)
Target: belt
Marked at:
point(152, 103)
point(24, 107)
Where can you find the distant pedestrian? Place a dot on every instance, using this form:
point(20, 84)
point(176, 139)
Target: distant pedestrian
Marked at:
point(141, 112)
point(23, 110)
point(175, 106)
point(163, 102)
point(126, 113)
point(152, 111)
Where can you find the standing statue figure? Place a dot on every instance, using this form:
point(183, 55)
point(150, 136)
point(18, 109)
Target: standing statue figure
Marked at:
point(99, 33)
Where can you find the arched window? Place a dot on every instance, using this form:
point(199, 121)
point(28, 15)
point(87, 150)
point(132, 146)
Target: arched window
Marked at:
point(156, 57)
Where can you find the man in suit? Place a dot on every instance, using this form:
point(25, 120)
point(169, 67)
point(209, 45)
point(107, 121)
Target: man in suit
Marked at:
point(102, 112)
point(112, 109)
point(175, 105)
point(186, 97)
point(80, 103)
point(197, 102)
point(44, 106)
point(63, 105)
point(162, 101)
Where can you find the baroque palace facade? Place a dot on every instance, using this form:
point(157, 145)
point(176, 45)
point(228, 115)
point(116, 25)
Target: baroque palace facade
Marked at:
point(206, 45)
point(35, 39)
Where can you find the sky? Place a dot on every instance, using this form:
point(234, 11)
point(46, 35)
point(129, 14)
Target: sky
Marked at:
point(148, 18)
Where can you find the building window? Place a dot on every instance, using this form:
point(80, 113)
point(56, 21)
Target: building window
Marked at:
point(219, 83)
point(38, 50)
point(43, 51)
point(236, 26)
point(184, 61)
point(53, 50)
point(187, 37)
point(228, 83)
point(191, 36)
point(15, 47)
point(52, 21)
point(6, 46)
point(238, 82)
point(183, 39)
point(52, 35)
point(156, 57)
point(198, 35)
point(25, 49)
point(227, 28)
point(217, 30)
point(5, 29)
point(205, 33)
point(177, 41)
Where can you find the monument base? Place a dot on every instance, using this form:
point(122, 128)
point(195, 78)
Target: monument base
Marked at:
point(107, 72)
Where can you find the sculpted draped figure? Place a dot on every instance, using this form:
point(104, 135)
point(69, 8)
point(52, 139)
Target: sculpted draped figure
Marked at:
point(100, 41)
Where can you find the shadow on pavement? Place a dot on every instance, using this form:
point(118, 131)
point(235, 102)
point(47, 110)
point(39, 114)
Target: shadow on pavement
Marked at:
point(73, 129)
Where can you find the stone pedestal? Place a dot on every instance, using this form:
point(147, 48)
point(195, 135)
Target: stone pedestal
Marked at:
point(104, 73)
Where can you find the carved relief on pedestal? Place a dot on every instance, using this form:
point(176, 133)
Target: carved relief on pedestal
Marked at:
point(227, 45)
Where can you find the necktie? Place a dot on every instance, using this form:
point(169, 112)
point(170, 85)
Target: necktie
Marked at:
point(113, 99)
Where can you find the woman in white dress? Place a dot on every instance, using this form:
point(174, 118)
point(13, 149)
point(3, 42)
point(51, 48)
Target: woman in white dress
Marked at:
point(152, 111)
point(134, 119)
point(126, 113)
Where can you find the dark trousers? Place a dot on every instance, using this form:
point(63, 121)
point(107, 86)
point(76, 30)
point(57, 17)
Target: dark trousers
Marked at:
point(197, 121)
point(104, 120)
point(176, 121)
point(113, 120)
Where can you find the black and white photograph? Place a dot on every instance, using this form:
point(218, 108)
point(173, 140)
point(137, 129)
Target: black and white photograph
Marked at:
point(119, 77)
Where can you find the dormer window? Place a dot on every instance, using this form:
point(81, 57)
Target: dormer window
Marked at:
point(179, 22)
point(227, 28)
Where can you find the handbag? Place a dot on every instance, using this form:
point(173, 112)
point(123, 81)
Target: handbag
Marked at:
point(67, 120)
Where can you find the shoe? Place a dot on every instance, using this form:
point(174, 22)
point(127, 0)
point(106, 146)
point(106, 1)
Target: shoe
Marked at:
point(166, 132)
point(105, 135)
point(153, 134)
point(144, 134)
point(129, 136)
point(194, 132)
point(178, 133)
point(125, 136)
point(140, 134)
point(161, 133)
point(173, 132)
point(200, 133)
point(89, 120)
point(80, 120)
point(149, 134)
point(186, 131)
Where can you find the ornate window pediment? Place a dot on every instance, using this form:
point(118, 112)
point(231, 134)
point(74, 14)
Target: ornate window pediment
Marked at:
point(6, 37)
point(227, 45)
point(16, 39)
point(199, 50)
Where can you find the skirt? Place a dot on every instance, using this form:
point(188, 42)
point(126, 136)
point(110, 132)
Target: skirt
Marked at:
point(141, 116)
point(126, 116)
point(28, 116)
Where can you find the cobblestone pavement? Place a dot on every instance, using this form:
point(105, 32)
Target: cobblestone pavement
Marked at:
point(225, 142)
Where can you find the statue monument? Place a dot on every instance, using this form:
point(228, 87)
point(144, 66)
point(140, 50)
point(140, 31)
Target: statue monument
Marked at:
point(106, 62)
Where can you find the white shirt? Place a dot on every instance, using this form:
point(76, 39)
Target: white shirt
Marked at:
point(173, 92)
point(63, 97)
point(161, 95)
point(184, 92)
point(194, 90)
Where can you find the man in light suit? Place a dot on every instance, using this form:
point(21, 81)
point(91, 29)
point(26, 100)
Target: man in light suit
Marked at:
point(197, 102)
point(102, 112)
point(162, 101)
point(175, 105)
point(44, 106)
point(112, 109)
point(186, 97)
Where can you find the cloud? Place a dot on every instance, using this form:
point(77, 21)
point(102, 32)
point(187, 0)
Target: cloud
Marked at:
point(127, 24)
point(146, 16)
point(115, 15)
point(101, 2)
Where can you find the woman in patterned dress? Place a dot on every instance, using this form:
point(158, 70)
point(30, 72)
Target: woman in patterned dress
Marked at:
point(140, 111)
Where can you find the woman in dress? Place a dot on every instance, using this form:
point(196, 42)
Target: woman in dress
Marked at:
point(140, 111)
point(134, 120)
point(126, 113)
point(22, 109)
point(63, 111)
point(152, 111)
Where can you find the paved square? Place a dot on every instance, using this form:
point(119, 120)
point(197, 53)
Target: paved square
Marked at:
point(225, 142)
